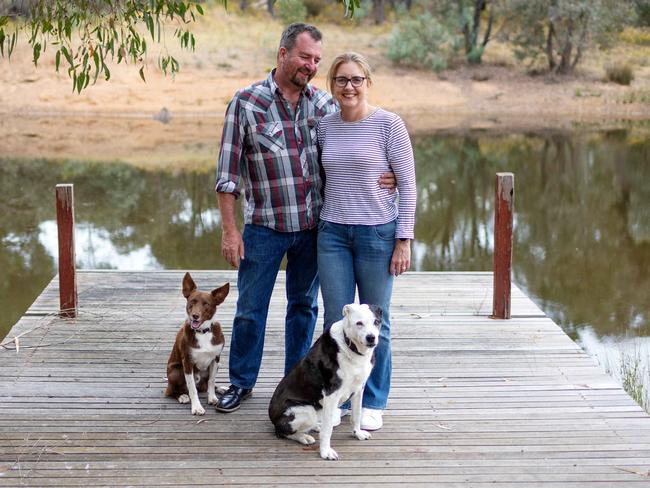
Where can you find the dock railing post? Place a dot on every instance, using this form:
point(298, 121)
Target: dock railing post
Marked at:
point(503, 219)
point(67, 270)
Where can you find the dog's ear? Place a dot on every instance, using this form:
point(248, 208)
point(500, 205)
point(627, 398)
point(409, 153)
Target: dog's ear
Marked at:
point(221, 293)
point(346, 310)
point(188, 285)
point(376, 309)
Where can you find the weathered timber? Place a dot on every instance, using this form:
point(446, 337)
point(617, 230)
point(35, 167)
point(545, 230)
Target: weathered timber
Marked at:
point(503, 220)
point(67, 265)
point(474, 402)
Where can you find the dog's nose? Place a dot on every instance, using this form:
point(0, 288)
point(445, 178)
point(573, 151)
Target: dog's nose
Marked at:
point(195, 316)
point(370, 339)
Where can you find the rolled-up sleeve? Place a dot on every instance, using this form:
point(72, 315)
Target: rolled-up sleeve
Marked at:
point(231, 153)
point(400, 157)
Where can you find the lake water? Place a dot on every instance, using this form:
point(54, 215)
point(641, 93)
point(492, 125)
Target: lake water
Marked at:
point(581, 236)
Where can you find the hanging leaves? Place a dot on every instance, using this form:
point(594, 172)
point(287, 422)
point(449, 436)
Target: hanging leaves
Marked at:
point(88, 35)
point(105, 31)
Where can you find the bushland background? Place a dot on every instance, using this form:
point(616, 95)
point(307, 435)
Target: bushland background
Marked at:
point(442, 65)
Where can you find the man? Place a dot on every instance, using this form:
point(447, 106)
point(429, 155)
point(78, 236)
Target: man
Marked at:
point(269, 147)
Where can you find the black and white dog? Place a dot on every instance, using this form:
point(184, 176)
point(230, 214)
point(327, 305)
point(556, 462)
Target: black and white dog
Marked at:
point(335, 368)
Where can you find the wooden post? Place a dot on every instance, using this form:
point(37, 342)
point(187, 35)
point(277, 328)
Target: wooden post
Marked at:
point(67, 271)
point(503, 216)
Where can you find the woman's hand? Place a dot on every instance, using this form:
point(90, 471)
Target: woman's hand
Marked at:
point(401, 260)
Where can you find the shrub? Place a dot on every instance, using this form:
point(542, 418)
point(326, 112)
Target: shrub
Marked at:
point(642, 8)
point(289, 11)
point(620, 73)
point(422, 42)
point(314, 7)
point(636, 36)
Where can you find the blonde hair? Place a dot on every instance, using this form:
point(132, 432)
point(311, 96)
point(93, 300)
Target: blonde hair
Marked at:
point(347, 58)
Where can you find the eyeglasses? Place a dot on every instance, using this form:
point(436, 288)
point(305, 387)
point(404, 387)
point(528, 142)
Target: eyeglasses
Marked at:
point(342, 81)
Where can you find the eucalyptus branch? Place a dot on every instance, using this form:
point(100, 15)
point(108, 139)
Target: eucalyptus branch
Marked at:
point(89, 34)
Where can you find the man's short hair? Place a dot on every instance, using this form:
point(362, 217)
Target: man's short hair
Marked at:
point(288, 39)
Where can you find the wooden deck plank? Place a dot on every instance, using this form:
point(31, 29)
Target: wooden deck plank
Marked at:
point(475, 401)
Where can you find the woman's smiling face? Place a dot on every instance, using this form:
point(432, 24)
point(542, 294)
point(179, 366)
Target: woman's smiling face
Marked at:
point(349, 96)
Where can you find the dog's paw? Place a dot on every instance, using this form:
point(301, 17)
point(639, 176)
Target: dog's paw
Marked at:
point(213, 399)
point(184, 399)
point(303, 438)
point(308, 440)
point(329, 453)
point(198, 410)
point(362, 435)
point(316, 428)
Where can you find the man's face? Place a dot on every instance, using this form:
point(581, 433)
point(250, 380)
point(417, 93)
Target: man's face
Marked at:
point(300, 65)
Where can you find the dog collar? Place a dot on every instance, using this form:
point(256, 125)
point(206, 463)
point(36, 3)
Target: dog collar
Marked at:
point(351, 345)
point(203, 331)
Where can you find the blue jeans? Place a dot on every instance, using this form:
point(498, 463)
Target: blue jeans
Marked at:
point(354, 257)
point(264, 249)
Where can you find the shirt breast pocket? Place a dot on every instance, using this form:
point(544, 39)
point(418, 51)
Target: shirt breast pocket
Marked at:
point(269, 136)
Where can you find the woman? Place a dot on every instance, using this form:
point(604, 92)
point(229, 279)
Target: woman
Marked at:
point(365, 232)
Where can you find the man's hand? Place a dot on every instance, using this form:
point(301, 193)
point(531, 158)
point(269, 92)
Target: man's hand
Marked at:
point(232, 246)
point(388, 181)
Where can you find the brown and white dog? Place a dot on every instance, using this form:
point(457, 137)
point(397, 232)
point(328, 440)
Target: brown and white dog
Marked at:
point(193, 363)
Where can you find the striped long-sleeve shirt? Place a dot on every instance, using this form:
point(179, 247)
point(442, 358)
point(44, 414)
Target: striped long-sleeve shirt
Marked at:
point(269, 150)
point(354, 155)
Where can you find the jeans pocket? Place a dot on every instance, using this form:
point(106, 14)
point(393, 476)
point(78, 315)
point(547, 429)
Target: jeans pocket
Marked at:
point(322, 224)
point(385, 232)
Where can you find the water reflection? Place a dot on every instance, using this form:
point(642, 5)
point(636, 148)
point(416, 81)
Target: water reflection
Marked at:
point(582, 231)
point(96, 248)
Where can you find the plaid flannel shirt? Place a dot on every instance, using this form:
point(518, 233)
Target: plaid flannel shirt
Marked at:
point(271, 151)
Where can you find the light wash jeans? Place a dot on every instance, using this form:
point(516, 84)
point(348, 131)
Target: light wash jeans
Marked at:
point(354, 257)
point(264, 249)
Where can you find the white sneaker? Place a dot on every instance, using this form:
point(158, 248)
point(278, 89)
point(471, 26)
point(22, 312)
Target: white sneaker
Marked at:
point(338, 413)
point(372, 419)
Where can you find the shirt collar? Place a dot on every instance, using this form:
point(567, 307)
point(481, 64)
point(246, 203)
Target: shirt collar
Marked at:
point(308, 91)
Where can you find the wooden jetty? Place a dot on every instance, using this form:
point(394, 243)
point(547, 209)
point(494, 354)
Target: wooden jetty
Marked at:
point(475, 402)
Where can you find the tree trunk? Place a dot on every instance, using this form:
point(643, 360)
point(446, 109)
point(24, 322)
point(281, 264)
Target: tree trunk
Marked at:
point(581, 42)
point(567, 50)
point(378, 7)
point(466, 30)
point(473, 51)
point(488, 29)
point(549, 46)
point(479, 6)
point(243, 5)
point(269, 7)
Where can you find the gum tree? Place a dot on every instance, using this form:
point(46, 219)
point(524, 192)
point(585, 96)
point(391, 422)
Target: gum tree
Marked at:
point(562, 30)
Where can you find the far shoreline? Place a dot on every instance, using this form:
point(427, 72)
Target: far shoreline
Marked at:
point(189, 140)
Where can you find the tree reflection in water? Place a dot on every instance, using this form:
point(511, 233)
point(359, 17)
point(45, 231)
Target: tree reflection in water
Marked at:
point(582, 223)
point(582, 220)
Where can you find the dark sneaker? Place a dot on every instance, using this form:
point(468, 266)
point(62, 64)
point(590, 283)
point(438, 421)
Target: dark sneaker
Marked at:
point(232, 398)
